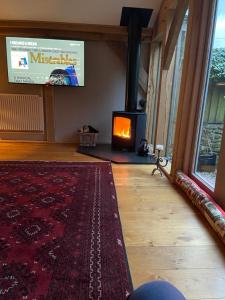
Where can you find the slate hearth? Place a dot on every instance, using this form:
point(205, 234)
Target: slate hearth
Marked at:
point(105, 152)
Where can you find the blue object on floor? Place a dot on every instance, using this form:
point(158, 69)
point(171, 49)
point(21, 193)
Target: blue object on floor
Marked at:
point(156, 290)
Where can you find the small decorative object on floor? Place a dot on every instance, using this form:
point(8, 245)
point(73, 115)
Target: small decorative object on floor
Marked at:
point(143, 148)
point(159, 160)
point(88, 136)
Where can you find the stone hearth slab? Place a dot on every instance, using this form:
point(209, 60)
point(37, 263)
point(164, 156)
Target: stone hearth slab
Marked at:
point(105, 152)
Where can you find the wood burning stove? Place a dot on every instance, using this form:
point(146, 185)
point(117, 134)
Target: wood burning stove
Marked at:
point(128, 127)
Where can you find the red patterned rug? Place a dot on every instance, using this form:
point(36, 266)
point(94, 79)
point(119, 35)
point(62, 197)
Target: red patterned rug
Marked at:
point(60, 233)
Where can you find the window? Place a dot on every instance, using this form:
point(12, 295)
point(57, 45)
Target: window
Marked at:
point(213, 109)
point(177, 73)
point(154, 76)
point(169, 96)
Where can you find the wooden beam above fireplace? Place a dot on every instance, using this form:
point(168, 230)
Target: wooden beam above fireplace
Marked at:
point(89, 32)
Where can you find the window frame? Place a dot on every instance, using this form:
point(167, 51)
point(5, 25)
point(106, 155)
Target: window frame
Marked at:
point(192, 84)
point(203, 99)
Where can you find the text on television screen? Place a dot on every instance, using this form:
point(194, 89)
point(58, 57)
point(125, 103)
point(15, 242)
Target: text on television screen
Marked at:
point(45, 61)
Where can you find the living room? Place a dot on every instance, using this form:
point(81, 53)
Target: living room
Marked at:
point(166, 236)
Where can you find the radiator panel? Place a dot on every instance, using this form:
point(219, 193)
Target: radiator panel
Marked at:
point(21, 113)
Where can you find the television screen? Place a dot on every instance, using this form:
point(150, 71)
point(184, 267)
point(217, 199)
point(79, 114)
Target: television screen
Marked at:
point(45, 61)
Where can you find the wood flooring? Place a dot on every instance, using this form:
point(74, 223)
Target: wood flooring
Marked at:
point(165, 236)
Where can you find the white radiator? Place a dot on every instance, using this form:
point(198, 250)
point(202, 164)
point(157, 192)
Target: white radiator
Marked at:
point(21, 112)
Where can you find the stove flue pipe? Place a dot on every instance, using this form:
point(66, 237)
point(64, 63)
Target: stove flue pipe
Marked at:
point(133, 61)
point(134, 19)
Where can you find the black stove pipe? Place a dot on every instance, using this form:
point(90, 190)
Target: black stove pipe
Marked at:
point(134, 19)
point(133, 61)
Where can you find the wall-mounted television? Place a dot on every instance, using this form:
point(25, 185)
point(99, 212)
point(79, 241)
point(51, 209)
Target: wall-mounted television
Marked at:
point(45, 61)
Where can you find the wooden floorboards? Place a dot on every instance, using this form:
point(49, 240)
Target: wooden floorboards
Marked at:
point(165, 236)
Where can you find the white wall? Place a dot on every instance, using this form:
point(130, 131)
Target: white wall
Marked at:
point(104, 91)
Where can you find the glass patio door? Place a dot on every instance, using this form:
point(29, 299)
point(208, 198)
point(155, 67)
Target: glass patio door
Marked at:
point(209, 141)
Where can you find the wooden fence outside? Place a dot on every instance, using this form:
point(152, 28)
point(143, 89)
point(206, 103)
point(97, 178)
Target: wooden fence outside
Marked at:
point(215, 105)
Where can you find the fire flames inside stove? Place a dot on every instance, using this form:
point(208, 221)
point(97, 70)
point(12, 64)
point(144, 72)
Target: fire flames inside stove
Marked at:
point(122, 127)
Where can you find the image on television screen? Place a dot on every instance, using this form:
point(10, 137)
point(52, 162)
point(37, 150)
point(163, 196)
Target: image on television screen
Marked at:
point(45, 61)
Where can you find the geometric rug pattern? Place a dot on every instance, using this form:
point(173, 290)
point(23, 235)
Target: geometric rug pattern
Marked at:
point(60, 232)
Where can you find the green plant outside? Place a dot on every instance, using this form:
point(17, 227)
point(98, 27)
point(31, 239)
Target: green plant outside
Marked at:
point(217, 72)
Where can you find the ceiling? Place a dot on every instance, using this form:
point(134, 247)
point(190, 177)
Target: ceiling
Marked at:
point(106, 12)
